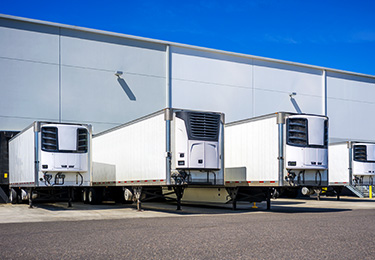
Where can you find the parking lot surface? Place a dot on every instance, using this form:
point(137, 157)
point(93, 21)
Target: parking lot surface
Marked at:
point(47, 212)
point(293, 229)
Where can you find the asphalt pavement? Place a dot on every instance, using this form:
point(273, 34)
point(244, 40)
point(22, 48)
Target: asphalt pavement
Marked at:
point(293, 229)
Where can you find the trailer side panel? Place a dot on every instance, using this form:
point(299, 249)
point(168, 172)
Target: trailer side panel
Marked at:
point(22, 159)
point(251, 148)
point(338, 165)
point(136, 153)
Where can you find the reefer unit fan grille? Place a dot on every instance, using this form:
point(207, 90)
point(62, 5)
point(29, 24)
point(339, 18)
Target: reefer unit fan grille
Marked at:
point(82, 138)
point(360, 153)
point(204, 126)
point(297, 131)
point(49, 139)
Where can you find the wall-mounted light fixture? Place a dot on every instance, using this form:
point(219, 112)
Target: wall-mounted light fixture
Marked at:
point(118, 73)
point(294, 102)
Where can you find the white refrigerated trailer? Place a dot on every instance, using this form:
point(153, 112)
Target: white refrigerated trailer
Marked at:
point(269, 154)
point(277, 150)
point(351, 163)
point(170, 148)
point(48, 158)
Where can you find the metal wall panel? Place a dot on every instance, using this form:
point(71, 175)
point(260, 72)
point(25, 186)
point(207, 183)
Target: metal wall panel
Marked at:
point(351, 107)
point(92, 93)
point(27, 41)
point(199, 66)
point(39, 61)
point(29, 91)
point(267, 102)
point(96, 97)
point(273, 83)
point(242, 87)
point(212, 82)
point(51, 73)
point(213, 97)
point(96, 51)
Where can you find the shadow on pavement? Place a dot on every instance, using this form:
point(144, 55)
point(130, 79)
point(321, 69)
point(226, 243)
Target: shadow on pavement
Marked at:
point(196, 209)
point(277, 209)
point(277, 206)
point(63, 206)
point(282, 202)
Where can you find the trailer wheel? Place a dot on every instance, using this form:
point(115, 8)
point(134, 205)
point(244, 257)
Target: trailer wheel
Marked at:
point(94, 196)
point(85, 196)
point(128, 195)
point(13, 196)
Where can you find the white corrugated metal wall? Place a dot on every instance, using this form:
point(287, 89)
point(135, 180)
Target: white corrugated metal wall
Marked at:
point(53, 72)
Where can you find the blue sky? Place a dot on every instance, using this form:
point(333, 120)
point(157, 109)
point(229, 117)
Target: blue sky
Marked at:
point(334, 34)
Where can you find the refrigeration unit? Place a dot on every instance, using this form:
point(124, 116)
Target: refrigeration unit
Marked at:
point(169, 148)
point(351, 163)
point(47, 157)
point(281, 150)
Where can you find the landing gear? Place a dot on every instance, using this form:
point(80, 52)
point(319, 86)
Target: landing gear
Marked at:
point(318, 191)
point(140, 194)
point(137, 197)
point(338, 191)
point(179, 190)
point(31, 198)
point(70, 197)
point(233, 192)
point(268, 198)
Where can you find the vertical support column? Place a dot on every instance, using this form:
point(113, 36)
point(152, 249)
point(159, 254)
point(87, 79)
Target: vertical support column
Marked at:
point(350, 147)
point(268, 198)
point(168, 113)
point(280, 122)
point(89, 163)
point(36, 155)
point(222, 153)
point(168, 89)
point(60, 90)
point(324, 92)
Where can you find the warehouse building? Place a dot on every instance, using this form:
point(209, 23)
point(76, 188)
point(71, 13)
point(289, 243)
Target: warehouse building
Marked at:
point(57, 72)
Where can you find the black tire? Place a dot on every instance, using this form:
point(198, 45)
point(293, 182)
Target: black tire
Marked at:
point(85, 193)
point(94, 196)
point(13, 196)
